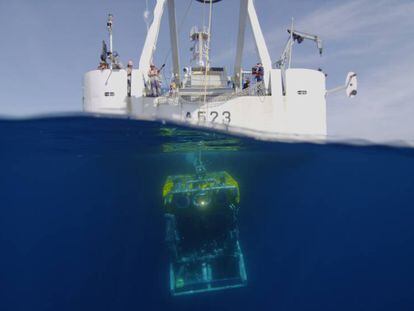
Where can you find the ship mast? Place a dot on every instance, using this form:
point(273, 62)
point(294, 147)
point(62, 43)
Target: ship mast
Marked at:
point(200, 47)
point(201, 39)
point(109, 26)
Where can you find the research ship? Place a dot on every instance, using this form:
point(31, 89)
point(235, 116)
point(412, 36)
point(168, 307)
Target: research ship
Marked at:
point(270, 101)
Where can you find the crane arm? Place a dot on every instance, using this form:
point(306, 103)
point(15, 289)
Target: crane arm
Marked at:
point(299, 36)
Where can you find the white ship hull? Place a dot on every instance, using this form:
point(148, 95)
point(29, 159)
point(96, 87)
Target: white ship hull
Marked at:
point(300, 113)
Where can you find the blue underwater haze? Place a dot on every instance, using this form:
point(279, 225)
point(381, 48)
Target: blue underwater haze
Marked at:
point(322, 226)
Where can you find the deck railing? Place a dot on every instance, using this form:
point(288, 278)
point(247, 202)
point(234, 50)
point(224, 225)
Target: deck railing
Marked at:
point(175, 98)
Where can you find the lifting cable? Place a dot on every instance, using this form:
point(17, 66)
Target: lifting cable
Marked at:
point(208, 53)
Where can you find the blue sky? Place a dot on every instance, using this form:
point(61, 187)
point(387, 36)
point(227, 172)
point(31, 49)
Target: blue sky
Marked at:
point(49, 44)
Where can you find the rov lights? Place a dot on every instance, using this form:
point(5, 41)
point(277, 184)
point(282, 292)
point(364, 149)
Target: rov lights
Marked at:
point(202, 200)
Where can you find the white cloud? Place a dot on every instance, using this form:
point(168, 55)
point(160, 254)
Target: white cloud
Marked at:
point(361, 18)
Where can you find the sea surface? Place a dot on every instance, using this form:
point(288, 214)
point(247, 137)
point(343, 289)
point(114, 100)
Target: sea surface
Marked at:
point(322, 226)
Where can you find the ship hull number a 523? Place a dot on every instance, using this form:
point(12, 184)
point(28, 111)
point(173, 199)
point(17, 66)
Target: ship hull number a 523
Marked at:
point(212, 116)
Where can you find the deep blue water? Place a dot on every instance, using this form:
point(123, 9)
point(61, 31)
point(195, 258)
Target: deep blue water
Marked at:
point(322, 227)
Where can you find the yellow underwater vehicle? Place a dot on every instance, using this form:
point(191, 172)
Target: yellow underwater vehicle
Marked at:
point(202, 233)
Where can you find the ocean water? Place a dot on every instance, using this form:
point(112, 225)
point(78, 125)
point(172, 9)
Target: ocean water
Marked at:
point(322, 227)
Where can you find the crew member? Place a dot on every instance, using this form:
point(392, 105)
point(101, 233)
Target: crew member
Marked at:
point(186, 77)
point(116, 64)
point(173, 88)
point(129, 74)
point(103, 65)
point(258, 72)
point(153, 75)
point(129, 67)
point(246, 84)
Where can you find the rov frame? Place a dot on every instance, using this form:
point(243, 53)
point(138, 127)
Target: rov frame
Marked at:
point(202, 233)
